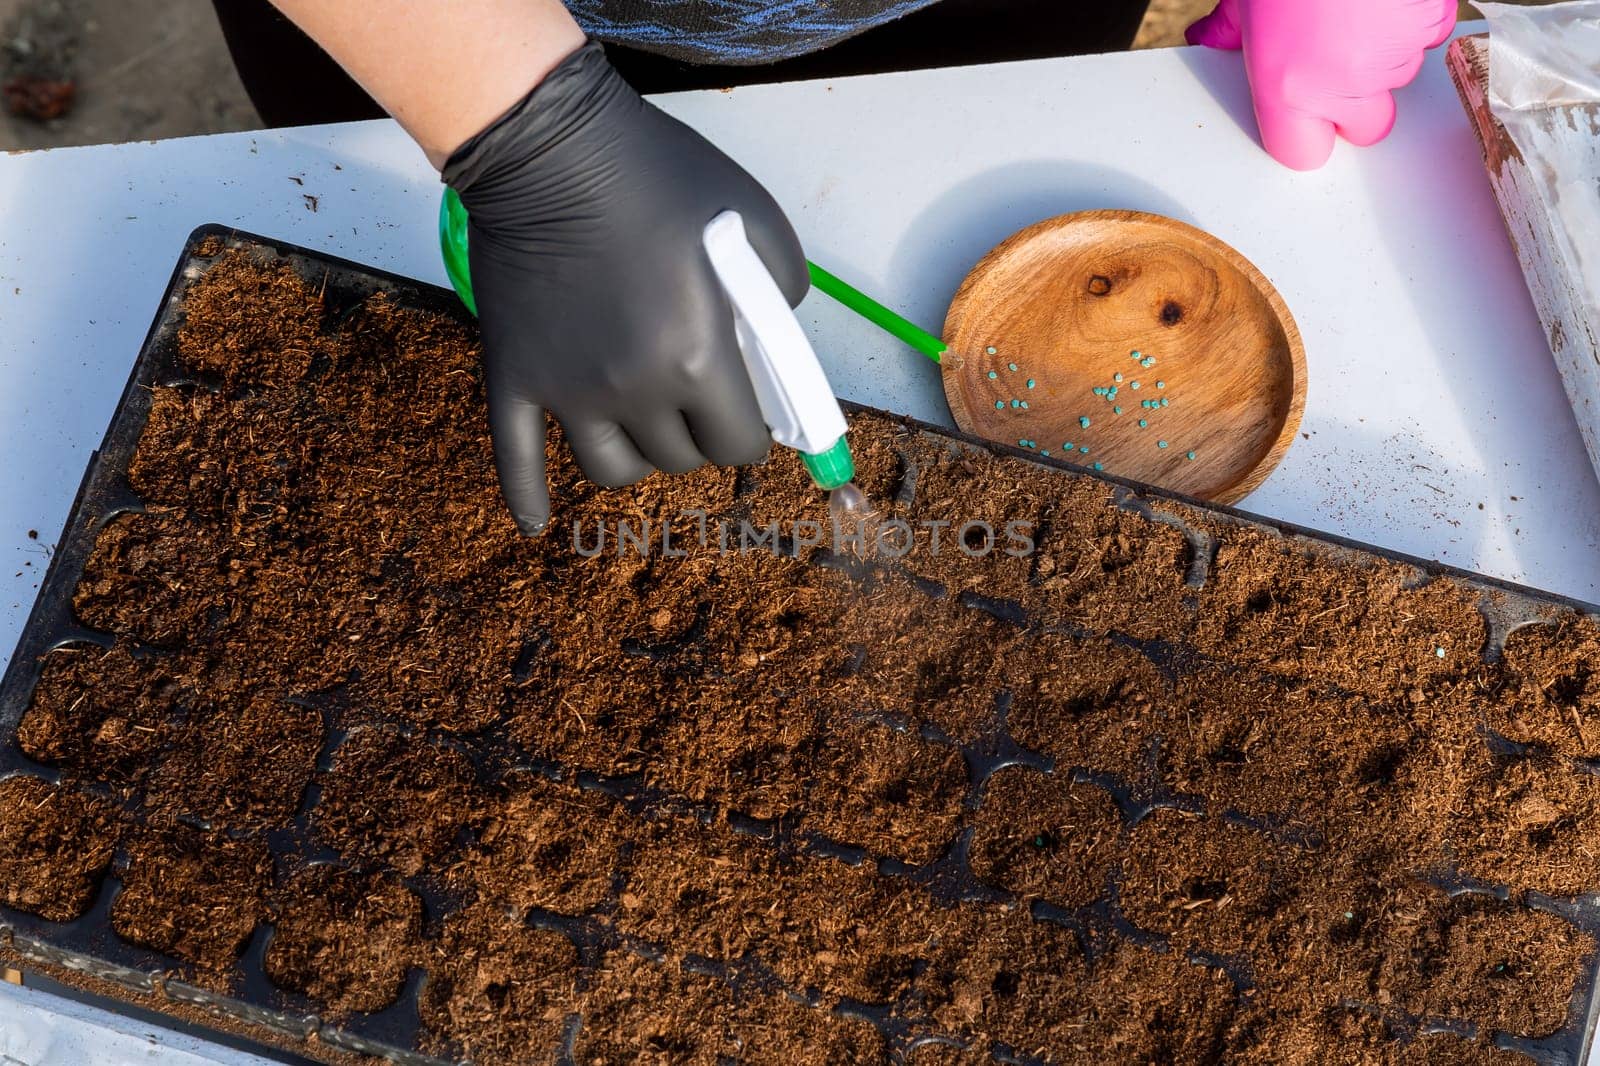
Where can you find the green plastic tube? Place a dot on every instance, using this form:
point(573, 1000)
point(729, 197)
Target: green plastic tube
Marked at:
point(877, 314)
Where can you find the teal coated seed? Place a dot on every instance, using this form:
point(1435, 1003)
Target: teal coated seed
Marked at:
point(1024, 405)
point(1189, 456)
point(1116, 377)
point(991, 351)
point(1439, 652)
point(1044, 452)
point(1016, 403)
point(1012, 366)
point(1030, 383)
point(1022, 443)
point(1161, 384)
point(1163, 401)
point(1144, 423)
point(1099, 466)
point(992, 375)
point(999, 405)
point(1084, 422)
point(1084, 448)
point(1138, 355)
point(1067, 447)
point(1116, 410)
point(1133, 385)
point(1161, 444)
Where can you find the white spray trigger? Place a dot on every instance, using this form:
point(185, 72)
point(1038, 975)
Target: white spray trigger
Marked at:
point(796, 400)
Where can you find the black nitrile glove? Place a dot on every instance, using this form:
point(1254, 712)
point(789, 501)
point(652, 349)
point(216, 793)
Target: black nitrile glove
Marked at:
point(596, 297)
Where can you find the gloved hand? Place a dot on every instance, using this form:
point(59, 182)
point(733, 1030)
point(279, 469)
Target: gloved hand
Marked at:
point(1320, 66)
point(595, 296)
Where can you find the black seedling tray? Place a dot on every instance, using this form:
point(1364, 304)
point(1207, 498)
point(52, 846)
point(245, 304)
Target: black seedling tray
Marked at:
point(87, 951)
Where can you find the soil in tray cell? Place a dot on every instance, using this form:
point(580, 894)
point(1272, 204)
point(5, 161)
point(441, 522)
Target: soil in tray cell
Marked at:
point(1158, 1006)
point(1279, 749)
point(657, 1013)
point(1526, 822)
point(1106, 569)
point(55, 847)
point(344, 939)
point(100, 715)
point(775, 1030)
point(186, 457)
point(246, 462)
point(705, 890)
point(1207, 886)
point(927, 661)
point(163, 579)
point(194, 897)
point(1350, 1036)
point(227, 337)
point(543, 844)
point(1379, 629)
point(609, 711)
point(497, 990)
point(734, 748)
point(451, 668)
point(1087, 704)
point(1551, 693)
point(1044, 836)
point(242, 766)
point(991, 512)
point(644, 1011)
point(1496, 964)
point(997, 974)
point(1403, 948)
point(396, 801)
point(886, 789)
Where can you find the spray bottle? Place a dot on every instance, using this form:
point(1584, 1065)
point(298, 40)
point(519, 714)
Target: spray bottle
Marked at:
point(796, 401)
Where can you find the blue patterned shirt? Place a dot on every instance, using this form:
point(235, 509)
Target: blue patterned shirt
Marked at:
point(734, 32)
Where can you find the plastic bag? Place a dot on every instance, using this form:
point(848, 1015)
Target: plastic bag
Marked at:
point(1544, 87)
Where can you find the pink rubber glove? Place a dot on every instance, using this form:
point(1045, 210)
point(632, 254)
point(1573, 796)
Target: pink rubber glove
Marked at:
point(1318, 67)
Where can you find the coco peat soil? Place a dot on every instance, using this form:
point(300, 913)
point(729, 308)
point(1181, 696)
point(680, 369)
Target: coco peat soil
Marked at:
point(327, 753)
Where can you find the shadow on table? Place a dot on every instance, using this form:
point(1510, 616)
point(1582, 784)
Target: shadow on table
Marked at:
point(943, 243)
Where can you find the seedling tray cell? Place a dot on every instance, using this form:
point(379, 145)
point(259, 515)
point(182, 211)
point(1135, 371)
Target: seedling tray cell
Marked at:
point(302, 743)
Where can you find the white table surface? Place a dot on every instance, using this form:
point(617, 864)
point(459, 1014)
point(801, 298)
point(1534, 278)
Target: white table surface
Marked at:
point(39, 1029)
point(1435, 423)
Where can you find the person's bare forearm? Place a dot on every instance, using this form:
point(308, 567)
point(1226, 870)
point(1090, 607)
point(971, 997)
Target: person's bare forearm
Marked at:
point(444, 69)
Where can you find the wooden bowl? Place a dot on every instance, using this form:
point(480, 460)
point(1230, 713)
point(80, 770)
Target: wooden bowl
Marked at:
point(1195, 341)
